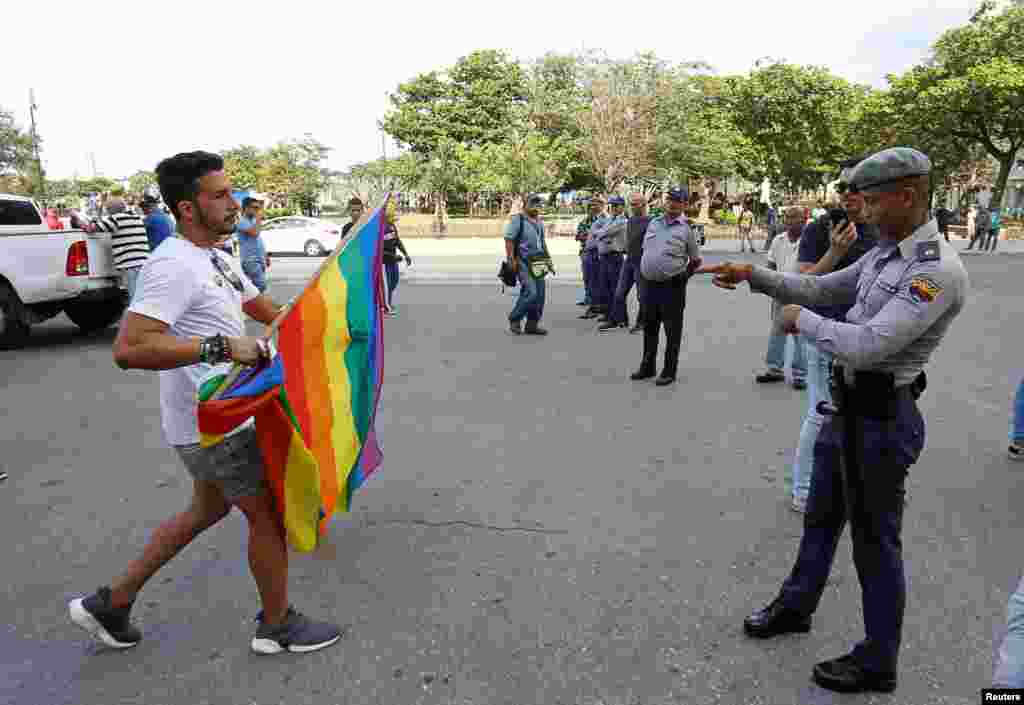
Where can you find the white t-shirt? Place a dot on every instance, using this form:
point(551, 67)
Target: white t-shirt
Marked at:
point(784, 253)
point(180, 286)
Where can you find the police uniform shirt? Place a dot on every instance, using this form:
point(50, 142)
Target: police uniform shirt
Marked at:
point(904, 296)
point(611, 236)
point(595, 228)
point(668, 248)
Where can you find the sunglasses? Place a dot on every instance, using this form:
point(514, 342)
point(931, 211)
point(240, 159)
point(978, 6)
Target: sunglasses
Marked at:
point(226, 272)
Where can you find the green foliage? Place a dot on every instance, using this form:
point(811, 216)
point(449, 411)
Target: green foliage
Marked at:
point(16, 155)
point(474, 102)
point(970, 92)
point(138, 181)
point(291, 170)
point(799, 118)
point(279, 212)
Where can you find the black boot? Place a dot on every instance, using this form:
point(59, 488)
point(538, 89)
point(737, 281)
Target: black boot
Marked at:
point(646, 371)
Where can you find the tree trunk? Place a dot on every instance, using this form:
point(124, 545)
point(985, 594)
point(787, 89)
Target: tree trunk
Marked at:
point(440, 213)
point(1006, 161)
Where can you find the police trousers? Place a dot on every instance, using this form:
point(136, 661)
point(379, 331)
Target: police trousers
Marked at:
point(885, 449)
point(663, 304)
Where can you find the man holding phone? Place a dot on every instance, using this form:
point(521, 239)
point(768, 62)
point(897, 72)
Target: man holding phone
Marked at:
point(827, 244)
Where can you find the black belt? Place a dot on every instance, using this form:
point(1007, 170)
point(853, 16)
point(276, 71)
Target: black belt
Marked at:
point(874, 395)
point(614, 252)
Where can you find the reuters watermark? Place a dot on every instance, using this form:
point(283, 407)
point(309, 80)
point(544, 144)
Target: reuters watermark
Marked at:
point(1002, 695)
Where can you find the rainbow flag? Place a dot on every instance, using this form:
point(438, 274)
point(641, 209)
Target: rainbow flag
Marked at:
point(316, 401)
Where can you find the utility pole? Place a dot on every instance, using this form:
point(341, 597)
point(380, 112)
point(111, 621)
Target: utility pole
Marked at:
point(37, 187)
point(92, 163)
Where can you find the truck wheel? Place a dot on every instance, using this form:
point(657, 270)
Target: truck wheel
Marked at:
point(14, 327)
point(93, 316)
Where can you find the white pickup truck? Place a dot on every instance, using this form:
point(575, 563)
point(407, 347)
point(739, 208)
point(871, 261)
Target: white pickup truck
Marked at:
point(45, 272)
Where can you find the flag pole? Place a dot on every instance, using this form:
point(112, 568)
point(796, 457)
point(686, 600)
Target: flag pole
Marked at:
point(237, 369)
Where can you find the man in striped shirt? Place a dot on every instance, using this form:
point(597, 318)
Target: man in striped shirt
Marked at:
point(128, 241)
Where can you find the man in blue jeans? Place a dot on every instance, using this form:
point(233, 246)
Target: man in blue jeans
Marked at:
point(251, 249)
point(1009, 672)
point(822, 250)
point(531, 246)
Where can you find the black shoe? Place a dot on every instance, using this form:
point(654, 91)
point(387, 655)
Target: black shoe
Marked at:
point(768, 377)
point(665, 380)
point(111, 626)
point(638, 328)
point(515, 328)
point(643, 373)
point(589, 314)
point(297, 633)
point(799, 384)
point(775, 619)
point(610, 327)
point(845, 675)
point(532, 328)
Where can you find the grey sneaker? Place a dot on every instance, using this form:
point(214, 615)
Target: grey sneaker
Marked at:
point(798, 505)
point(1015, 452)
point(110, 626)
point(515, 327)
point(297, 633)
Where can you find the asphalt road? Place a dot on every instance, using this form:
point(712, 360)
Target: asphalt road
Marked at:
point(543, 530)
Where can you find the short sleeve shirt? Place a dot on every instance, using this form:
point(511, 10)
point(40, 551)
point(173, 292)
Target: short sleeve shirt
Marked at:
point(815, 242)
point(180, 286)
point(250, 247)
point(532, 241)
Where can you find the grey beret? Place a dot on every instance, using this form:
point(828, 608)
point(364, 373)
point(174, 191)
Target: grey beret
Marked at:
point(889, 165)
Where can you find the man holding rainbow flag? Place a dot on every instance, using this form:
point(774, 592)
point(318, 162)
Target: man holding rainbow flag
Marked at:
point(284, 435)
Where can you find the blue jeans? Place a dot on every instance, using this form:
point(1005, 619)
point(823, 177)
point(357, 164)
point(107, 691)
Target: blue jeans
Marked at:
point(1009, 671)
point(1017, 429)
point(131, 281)
point(818, 364)
point(391, 274)
point(530, 304)
point(256, 270)
point(776, 358)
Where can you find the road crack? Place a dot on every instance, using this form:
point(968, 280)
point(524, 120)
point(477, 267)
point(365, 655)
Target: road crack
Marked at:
point(467, 524)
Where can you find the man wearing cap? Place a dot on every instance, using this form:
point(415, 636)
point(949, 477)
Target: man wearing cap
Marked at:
point(611, 248)
point(159, 225)
point(530, 261)
point(905, 294)
point(250, 245)
point(670, 255)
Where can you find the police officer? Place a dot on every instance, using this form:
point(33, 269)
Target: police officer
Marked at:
point(670, 255)
point(591, 260)
point(595, 208)
point(611, 248)
point(905, 294)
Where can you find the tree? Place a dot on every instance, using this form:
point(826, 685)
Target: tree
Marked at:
point(619, 136)
point(972, 89)
point(140, 180)
point(16, 153)
point(472, 103)
point(242, 165)
point(800, 118)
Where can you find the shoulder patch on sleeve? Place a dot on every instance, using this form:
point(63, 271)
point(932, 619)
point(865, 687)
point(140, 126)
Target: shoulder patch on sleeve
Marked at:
point(924, 289)
point(928, 251)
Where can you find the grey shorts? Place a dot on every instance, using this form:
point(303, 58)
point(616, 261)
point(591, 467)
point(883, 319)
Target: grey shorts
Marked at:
point(235, 464)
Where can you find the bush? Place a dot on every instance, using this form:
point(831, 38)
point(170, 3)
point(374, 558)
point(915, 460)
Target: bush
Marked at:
point(279, 212)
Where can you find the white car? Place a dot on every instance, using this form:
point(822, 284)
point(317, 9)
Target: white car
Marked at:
point(312, 237)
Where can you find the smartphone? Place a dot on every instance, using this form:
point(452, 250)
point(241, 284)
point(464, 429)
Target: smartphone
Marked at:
point(838, 217)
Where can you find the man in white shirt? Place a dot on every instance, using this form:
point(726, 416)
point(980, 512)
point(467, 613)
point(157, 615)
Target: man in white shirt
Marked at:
point(186, 321)
point(783, 257)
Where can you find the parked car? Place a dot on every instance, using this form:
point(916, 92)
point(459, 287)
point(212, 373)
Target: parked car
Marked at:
point(45, 272)
point(312, 237)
